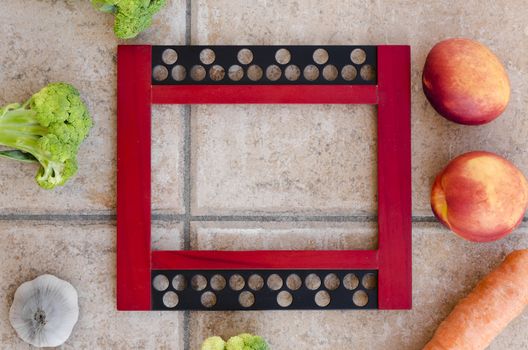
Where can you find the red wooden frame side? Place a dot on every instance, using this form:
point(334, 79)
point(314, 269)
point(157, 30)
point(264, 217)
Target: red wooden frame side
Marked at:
point(265, 260)
point(133, 177)
point(261, 94)
point(394, 178)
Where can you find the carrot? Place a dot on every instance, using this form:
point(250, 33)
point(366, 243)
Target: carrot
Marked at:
point(499, 298)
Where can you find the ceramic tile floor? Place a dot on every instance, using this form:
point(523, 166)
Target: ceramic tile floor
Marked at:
point(296, 168)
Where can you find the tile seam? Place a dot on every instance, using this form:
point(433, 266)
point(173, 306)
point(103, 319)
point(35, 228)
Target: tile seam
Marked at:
point(187, 176)
point(187, 219)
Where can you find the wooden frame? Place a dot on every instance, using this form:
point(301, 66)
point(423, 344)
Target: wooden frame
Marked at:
point(136, 94)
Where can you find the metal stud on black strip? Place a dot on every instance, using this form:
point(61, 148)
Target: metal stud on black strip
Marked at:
point(264, 65)
point(264, 290)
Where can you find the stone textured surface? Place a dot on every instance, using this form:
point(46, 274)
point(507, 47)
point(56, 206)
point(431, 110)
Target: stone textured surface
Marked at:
point(167, 235)
point(47, 41)
point(283, 236)
point(445, 268)
point(420, 24)
point(309, 160)
point(83, 254)
point(303, 159)
point(167, 159)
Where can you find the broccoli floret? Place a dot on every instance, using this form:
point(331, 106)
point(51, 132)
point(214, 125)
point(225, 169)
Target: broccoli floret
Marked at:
point(131, 16)
point(246, 341)
point(242, 341)
point(235, 343)
point(47, 129)
point(213, 343)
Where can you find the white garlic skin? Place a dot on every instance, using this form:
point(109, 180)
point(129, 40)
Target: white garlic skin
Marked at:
point(44, 311)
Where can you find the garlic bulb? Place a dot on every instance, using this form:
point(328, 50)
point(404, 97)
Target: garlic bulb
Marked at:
point(44, 311)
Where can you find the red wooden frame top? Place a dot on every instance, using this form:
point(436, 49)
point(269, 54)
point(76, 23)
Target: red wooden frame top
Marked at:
point(136, 94)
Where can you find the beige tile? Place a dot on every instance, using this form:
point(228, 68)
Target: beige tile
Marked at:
point(282, 235)
point(445, 268)
point(84, 255)
point(167, 235)
point(282, 22)
point(71, 42)
point(167, 158)
point(270, 159)
point(420, 24)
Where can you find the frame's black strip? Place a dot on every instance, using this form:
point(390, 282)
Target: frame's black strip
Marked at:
point(264, 57)
point(265, 298)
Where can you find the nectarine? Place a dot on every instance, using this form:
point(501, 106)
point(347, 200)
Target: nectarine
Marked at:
point(480, 196)
point(465, 82)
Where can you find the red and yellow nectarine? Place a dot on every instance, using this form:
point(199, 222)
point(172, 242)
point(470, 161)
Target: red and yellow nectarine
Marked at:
point(480, 196)
point(465, 82)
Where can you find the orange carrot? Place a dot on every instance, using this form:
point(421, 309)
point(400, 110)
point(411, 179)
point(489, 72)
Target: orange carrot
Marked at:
point(499, 298)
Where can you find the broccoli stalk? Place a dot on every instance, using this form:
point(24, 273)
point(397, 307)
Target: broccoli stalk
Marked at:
point(47, 129)
point(131, 16)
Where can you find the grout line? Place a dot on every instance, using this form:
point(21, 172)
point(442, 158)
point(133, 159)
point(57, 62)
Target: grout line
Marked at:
point(168, 217)
point(308, 218)
point(187, 183)
point(187, 144)
point(186, 330)
point(58, 217)
point(187, 219)
point(187, 175)
point(287, 218)
point(188, 18)
point(424, 218)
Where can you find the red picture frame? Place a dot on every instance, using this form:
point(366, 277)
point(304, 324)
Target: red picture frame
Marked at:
point(135, 258)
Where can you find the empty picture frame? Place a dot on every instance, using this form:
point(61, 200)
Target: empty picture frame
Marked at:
point(183, 280)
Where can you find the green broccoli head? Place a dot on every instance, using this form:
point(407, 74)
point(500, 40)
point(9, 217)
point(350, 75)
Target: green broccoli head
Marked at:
point(213, 343)
point(235, 343)
point(131, 16)
point(48, 129)
point(246, 341)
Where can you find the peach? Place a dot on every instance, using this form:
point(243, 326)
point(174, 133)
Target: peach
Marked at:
point(465, 82)
point(480, 196)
